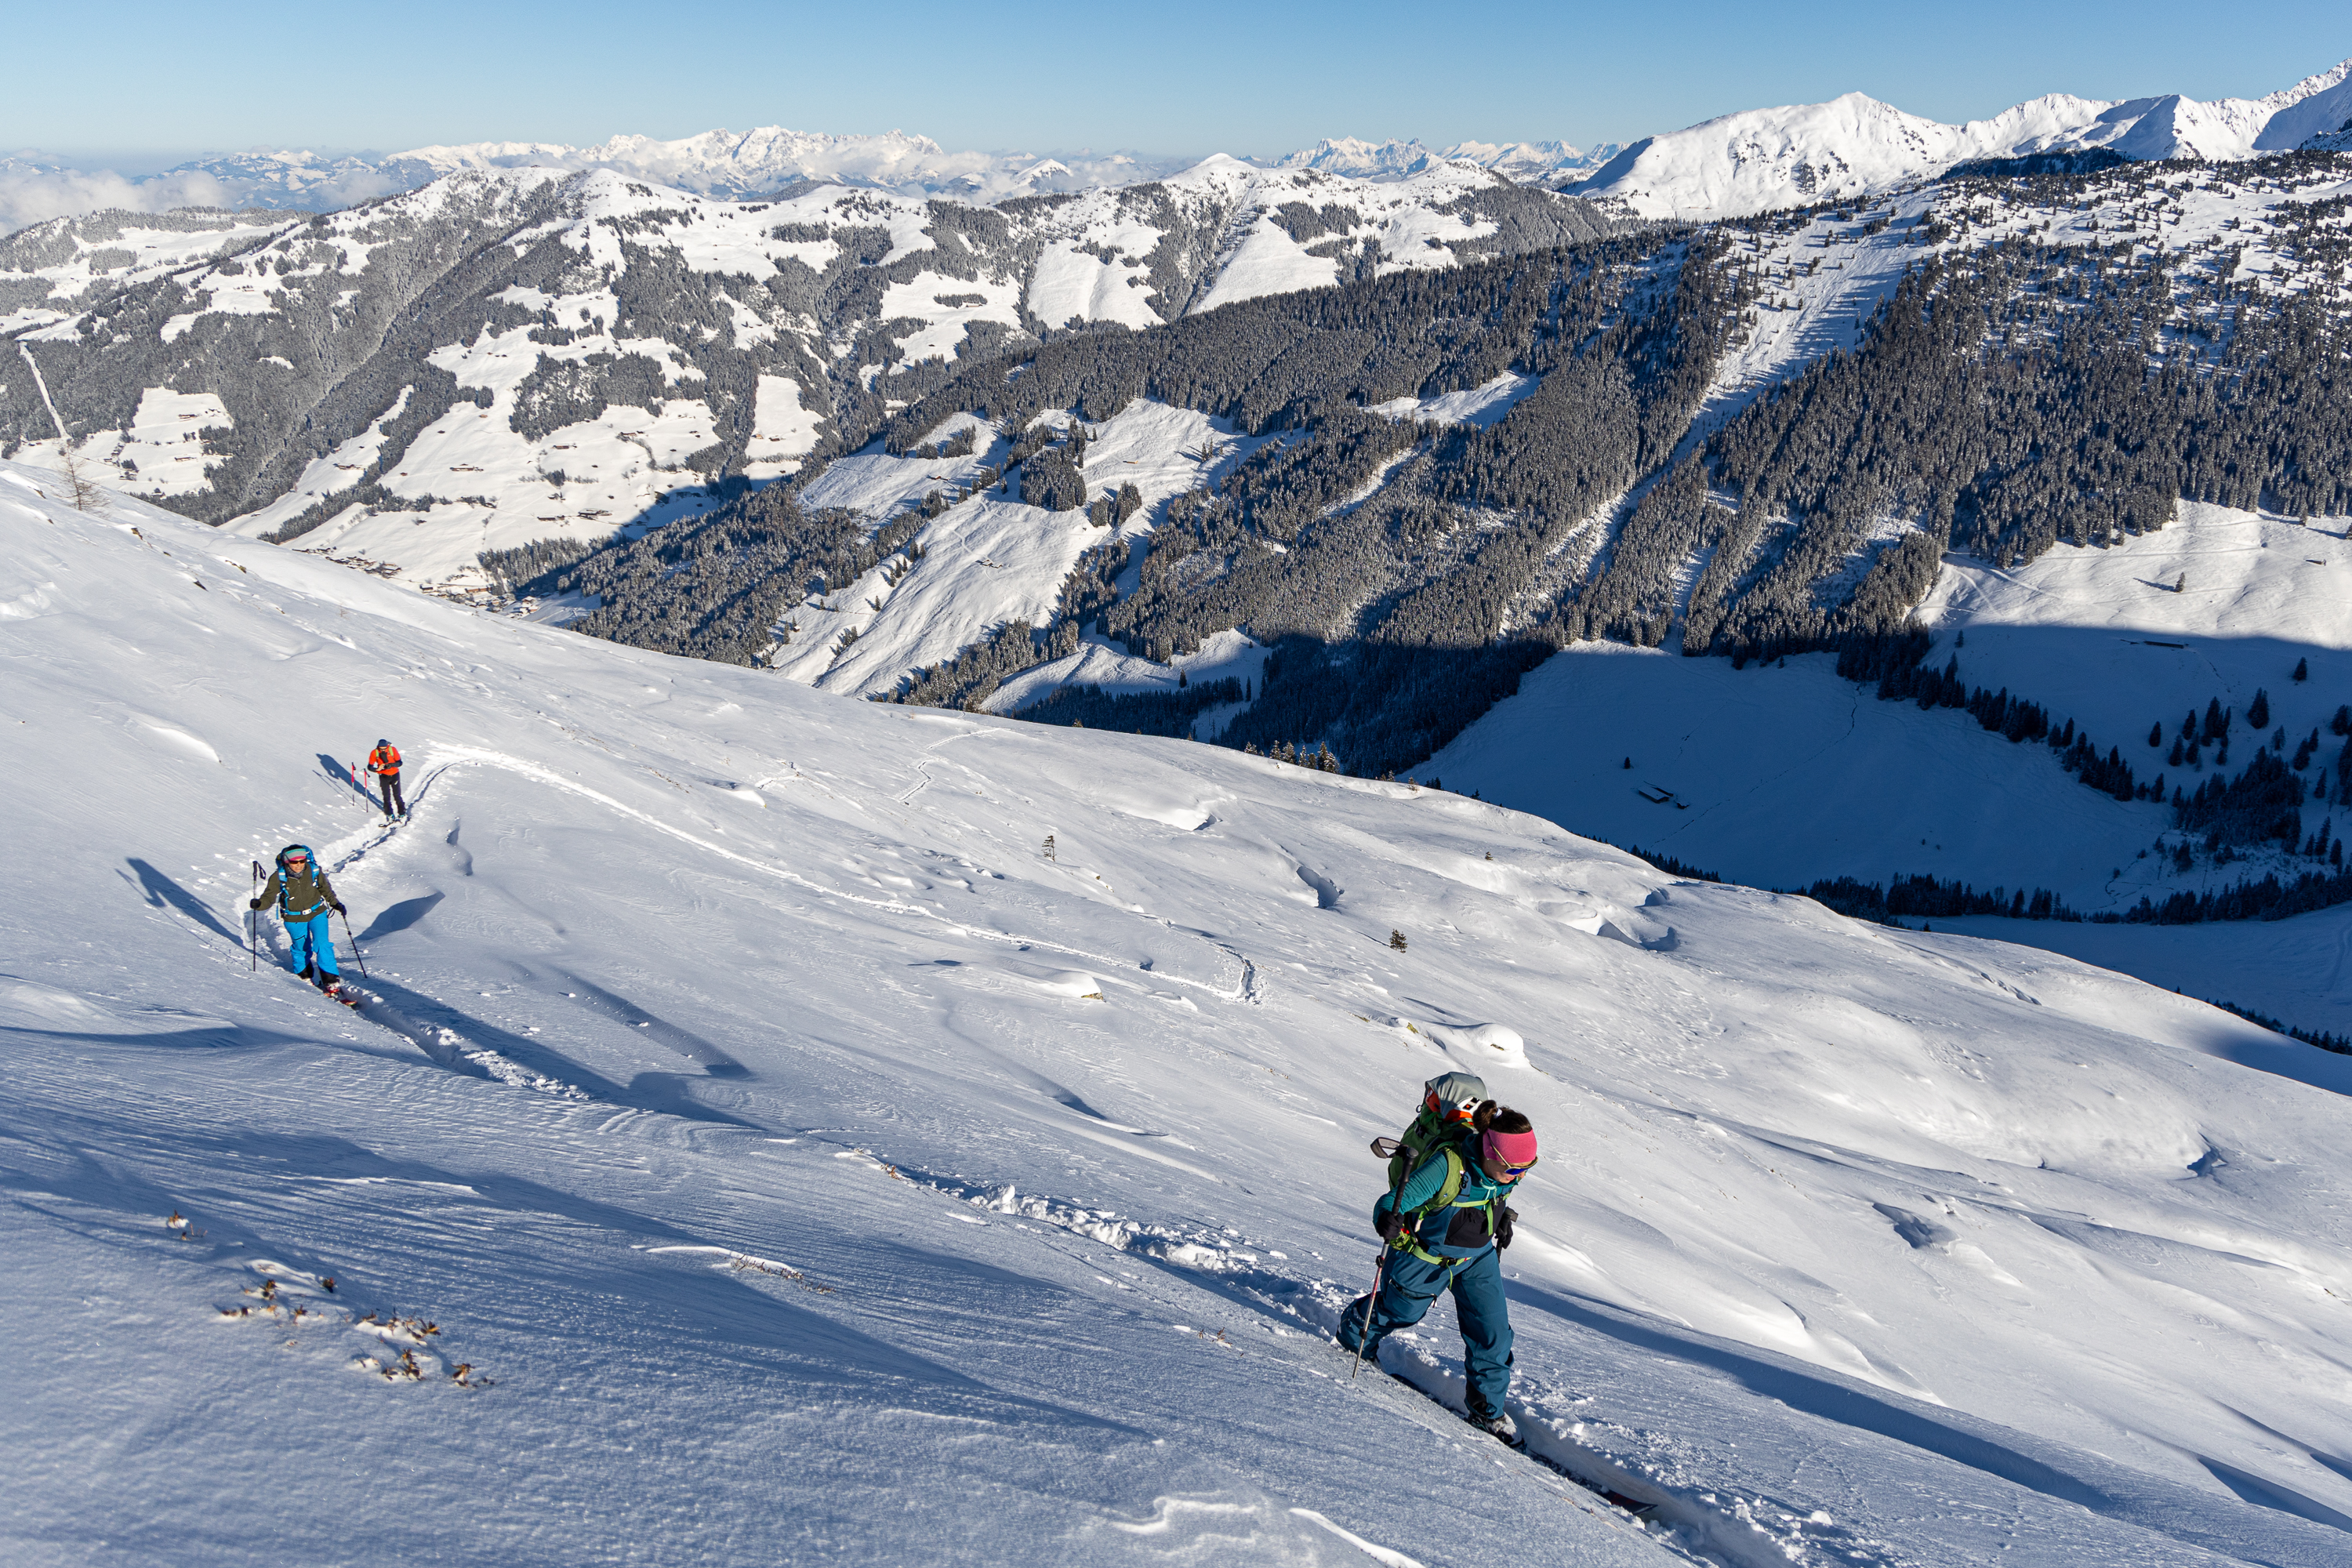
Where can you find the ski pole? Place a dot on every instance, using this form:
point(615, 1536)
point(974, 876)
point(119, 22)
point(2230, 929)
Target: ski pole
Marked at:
point(1369, 1302)
point(355, 948)
point(253, 925)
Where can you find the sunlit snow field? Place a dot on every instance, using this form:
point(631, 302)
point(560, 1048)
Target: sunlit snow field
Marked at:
point(807, 1167)
point(1778, 774)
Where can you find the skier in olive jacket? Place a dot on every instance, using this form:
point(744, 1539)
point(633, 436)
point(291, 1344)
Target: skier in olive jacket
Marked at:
point(1444, 1224)
point(305, 900)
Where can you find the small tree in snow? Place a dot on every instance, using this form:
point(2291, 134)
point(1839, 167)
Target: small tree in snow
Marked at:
point(80, 488)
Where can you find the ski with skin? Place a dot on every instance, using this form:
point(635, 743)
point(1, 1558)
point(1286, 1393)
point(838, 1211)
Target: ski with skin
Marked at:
point(1632, 1507)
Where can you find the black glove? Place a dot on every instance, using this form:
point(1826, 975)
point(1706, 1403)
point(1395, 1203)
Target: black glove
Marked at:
point(254, 904)
point(1502, 1230)
point(337, 908)
point(1387, 1223)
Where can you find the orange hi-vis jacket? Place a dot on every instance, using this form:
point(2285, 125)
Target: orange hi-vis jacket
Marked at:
point(384, 759)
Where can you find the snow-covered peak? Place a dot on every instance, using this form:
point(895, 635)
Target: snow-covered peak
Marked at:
point(1526, 162)
point(1530, 162)
point(721, 161)
point(1364, 160)
point(1853, 145)
point(2316, 106)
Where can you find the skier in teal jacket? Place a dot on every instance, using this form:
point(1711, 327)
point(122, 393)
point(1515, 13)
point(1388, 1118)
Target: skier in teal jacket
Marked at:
point(1444, 1225)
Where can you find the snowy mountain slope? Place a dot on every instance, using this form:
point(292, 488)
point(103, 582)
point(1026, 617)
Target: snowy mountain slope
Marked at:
point(1822, 273)
point(989, 559)
point(1813, 280)
point(104, 253)
point(514, 355)
point(2297, 971)
point(1780, 775)
point(802, 1159)
point(1761, 159)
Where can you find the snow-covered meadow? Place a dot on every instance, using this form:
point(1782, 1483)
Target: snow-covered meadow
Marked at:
point(1783, 774)
point(804, 1166)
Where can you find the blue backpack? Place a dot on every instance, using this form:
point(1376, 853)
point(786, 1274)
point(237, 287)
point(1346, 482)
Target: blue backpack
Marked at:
point(286, 883)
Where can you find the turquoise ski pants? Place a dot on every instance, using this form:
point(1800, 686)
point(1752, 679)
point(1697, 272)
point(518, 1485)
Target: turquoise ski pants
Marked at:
point(313, 942)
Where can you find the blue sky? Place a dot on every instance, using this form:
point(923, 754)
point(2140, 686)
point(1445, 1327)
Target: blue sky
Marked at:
point(166, 81)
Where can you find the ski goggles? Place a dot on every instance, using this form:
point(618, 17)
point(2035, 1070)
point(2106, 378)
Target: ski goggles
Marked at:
point(1515, 1152)
point(295, 860)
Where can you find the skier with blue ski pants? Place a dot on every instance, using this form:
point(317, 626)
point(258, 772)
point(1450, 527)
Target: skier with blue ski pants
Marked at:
point(305, 900)
point(1444, 1225)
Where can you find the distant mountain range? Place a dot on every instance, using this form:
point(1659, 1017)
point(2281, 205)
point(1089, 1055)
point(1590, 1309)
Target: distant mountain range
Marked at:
point(731, 165)
point(1763, 159)
point(1754, 161)
point(1528, 162)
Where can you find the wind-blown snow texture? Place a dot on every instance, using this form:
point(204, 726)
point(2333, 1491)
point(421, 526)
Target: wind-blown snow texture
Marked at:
point(803, 1166)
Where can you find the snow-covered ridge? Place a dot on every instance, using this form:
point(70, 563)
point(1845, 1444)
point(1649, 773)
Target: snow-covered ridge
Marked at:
point(741, 164)
point(1760, 159)
point(543, 444)
point(1525, 161)
point(727, 163)
point(735, 165)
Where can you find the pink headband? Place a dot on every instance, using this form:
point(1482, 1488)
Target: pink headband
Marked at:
point(1511, 1148)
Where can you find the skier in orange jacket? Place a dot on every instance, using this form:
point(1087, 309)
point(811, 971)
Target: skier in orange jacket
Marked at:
point(385, 764)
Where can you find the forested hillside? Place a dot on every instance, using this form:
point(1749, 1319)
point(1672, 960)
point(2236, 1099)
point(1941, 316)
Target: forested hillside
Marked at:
point(2054, 357)
point(1398, 561)
point(748, 431)
point(510, 355)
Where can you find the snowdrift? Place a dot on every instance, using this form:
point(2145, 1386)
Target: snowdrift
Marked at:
point(801, 1164)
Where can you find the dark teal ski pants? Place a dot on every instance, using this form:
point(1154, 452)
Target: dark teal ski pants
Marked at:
point(1408, 1290)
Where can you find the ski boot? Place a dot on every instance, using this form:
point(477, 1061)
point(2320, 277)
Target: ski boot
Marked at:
point(1502, 1428)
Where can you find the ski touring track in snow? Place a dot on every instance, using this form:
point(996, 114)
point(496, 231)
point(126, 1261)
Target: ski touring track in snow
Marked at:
point(1410, 1383)
point(1962, 1244)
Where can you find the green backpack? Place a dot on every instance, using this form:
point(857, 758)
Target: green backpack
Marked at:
point(1446, 1103)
